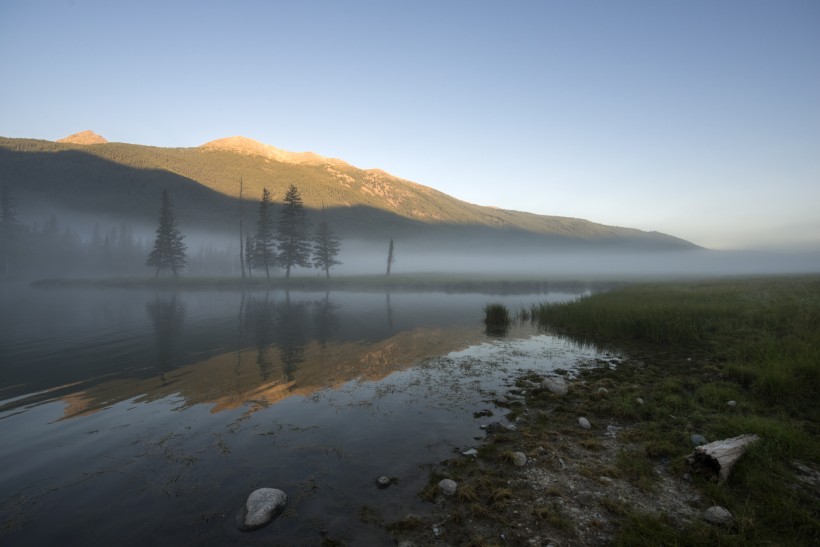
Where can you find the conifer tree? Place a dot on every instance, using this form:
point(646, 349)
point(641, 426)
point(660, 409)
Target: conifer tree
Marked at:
point(169, 248)
point(325, 248)
point(294, 246)
point(264, 254)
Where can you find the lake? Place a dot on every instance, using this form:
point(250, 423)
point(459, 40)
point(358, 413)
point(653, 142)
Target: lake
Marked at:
point(144, 416)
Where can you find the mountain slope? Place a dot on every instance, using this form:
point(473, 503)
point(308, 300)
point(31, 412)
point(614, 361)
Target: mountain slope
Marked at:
point(204, 183)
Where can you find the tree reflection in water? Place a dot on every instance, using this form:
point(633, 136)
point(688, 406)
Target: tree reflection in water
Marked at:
point(167, 316)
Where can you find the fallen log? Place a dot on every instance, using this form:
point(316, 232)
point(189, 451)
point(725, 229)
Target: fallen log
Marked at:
point(718, 458)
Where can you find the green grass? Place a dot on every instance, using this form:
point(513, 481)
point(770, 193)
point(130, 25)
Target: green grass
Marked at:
point(694, 347)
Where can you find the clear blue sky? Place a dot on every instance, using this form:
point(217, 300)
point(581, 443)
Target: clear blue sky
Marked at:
point(699, 118)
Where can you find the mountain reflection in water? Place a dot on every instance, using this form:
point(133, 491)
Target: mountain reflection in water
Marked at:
point(158, 411)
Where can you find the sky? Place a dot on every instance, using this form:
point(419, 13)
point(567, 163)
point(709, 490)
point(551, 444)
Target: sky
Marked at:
point(700, 119)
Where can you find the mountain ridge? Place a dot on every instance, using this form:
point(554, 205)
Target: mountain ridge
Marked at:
point(366, 202)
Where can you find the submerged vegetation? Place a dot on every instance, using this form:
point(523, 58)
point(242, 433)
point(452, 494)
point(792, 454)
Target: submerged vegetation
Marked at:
point(712, 358)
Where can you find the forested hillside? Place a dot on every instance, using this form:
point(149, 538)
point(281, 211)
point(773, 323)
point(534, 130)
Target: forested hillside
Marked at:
point(124, 181)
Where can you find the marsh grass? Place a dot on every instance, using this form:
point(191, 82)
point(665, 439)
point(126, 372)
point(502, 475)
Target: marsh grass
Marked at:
point(497, 318)
point(755, 341)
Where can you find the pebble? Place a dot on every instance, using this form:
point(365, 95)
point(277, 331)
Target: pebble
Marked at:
point(612, 430)
point(732, 403)
point(603, 390)
point(698, 440)
point(384, 482)
point(584, 423)
point(471, 452)
point(639, 401)
point(447, 487)
point(261, 507)
point(718, 515)
point(519, 459)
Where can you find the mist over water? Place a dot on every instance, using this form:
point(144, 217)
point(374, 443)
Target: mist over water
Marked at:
point(51, 242)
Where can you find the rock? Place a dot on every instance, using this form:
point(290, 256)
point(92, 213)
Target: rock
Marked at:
point(698, 440)
point(602, 391)
point(471, 452)
point(732, 403)
point(261, 507)
point(384, 481)
point(447, 487)
point(557, 385)
point(639, 401)
point(519, 459)
point(612, 430)
point(584, 423)
point(718, 515)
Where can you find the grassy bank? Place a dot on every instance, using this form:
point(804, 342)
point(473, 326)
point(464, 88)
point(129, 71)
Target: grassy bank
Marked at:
point(698, 346)
point(715, 359)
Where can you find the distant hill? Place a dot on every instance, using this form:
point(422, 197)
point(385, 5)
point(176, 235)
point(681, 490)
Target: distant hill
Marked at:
point(125, 180)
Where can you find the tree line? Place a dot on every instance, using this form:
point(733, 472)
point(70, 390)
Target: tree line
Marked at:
point(282, 243)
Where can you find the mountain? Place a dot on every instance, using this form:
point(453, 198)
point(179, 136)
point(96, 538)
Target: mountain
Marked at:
point(84, 137)
point(124, 181)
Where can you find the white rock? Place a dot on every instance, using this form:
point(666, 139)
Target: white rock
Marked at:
point(718, 515)
point(584, 423)
point(557, 385)
point(732, 403)
point(471, 452)
point(447, 487)
point(519, 459)
point(262, 506)
point(383, 481)
point(639, 401)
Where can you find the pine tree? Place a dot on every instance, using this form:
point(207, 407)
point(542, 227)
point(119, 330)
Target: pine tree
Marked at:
point(292, 235)
point(241, 232)
point(169, 249)
point(325, 248)
point(264, 255)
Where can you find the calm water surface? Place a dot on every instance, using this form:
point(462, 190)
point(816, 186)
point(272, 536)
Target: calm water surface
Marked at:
point(139, 416)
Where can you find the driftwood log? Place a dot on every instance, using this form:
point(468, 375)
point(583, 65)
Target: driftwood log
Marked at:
point(718, 458)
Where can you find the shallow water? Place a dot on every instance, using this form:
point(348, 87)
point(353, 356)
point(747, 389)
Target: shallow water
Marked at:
point(143, 416)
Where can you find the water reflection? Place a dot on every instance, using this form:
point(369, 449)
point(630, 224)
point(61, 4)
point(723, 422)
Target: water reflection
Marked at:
point(167, 316)
point(223, 348)
point(167, 408)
